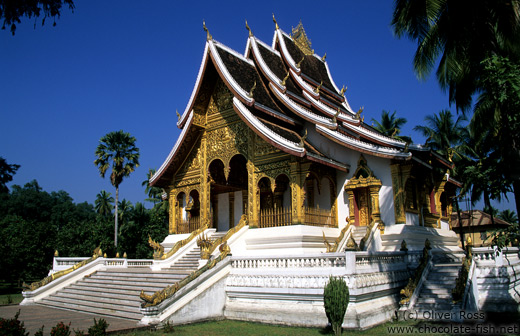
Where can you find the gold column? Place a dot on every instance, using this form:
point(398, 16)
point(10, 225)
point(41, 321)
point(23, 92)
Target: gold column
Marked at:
point(399, 175)
point(172, 211)
point(351, 209)
point(376, 212)
point(205, 208)
point(298, 192)
point(252, 199)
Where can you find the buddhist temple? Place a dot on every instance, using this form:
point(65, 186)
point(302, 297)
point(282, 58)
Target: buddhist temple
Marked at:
point(268, 134)
point(275, 185)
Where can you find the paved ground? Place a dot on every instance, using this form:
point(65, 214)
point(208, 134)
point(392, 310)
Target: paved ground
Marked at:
point(36, 316)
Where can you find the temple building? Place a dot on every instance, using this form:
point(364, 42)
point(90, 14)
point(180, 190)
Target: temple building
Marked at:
point(268, 134)
point(275, 184)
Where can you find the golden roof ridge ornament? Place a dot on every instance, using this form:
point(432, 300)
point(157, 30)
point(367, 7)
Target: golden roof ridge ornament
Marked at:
point(324, 57)
point(298, 65)
point(285, 78)
point(178, 115)
point(249, 30)
point(335, 118)
point(302, 139)
point(319, 87)
point(300, 39)
point(208, 37)
point(250, 94)
point(343, 90)
point(276, 23)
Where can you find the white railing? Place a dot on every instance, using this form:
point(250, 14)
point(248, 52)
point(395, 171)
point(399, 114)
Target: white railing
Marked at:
point(310, 261)
point(491, 256)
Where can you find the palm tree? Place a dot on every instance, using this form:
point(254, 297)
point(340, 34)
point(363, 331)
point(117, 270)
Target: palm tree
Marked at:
point(125, 211)
point(458, 35)
point(104, 203)
point(154, 193)
point(390, 125)
point(117, 150)
point(443, 134)
point(508, 216)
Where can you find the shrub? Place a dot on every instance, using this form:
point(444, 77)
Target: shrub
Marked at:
point(335, 299)
point(39, 332)
point(99, 328)
point(12, 327)
point(61, 329)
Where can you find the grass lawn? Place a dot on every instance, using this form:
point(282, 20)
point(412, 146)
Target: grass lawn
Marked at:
point(6, 299)
point(239, 328)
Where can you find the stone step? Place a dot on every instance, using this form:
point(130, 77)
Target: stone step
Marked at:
point(129, 283)
point(143, 281)
point(143, 277)
point(434, 300)
point(133, 309)
point(112, 287)
point(128, 295)
point(119, 300)
point(440, 296)
point(438, 307)
point(95, 310)
point(435, 291)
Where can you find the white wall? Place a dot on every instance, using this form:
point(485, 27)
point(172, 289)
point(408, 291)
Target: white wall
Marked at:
point(380, 167)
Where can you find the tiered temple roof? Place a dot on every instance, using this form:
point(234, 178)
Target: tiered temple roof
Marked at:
point(280, 91)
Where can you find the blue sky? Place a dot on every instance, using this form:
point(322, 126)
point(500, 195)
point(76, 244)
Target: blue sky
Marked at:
point(130, 65)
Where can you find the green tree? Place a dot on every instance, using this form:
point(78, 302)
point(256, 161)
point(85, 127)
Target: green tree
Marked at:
point(335, 299)
point(457, 35)
point(154, 193)
point(104, 203)
point(444, 134)
point(12, 11)
point(508, 216)
point(498, 111)
point(6, 174)
point(390, 125)
point(480, 171)
point(117, 151)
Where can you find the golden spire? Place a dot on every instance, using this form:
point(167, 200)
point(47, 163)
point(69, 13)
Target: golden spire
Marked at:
point(249, 29)
point(208, 37)
point(300, 39)
point(276, 23)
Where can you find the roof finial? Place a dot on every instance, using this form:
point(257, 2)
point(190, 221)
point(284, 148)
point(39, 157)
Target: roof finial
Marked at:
point(342, 92)
point(335, 118)
point(178, 115)
point(249, 29)
point(319, 87)
point(359, 112)
point(323, 58)
point(285, 78)
point(300, 62)
point(208, 37)
point(250, 95)
point(302, 139)
point(276, 23)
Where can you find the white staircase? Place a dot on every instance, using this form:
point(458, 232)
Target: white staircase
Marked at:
point(435, 294)
point(358, 233)
point(115, 291)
